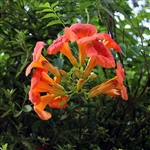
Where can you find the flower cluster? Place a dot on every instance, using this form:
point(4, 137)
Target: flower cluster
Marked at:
point(93, 50)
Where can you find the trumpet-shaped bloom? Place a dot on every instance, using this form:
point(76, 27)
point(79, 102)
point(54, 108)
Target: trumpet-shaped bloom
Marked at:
point(112, 87)
point(37, 77)
point(110, 43)
point(101, 37)
point(41, 82)
point(53, 102)
point(120, 77)
point(102, 44)
point(55, 97)
point(40, 62)
point(99, 55)
point(104, 57)
point(79, 31)
point(61, 44)
point(84, 34)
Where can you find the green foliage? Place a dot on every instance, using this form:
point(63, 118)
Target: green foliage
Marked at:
point(94, 124)
point(51, 11)
point(4, 147)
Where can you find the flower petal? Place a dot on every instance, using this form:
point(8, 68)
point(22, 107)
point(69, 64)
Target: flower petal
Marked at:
point(42, 87)
point(34, 97)
point(37, 50)
point(57, 45)
point(104, 56)
point(33, 65)
point(102, 88)
point(61, 45)
point(113, 93)
point(67, 52)
point(59, 102)
point(82, 54)
point(110, 43)
point(83, 30)
point(90, 50)
point(37, 76)
point(44, 115)
point(86, 40)
point(120, 73)
point(70, 34)
point(39, 109)
point(37, 64)
point(124, 93)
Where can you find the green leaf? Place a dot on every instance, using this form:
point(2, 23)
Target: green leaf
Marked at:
point(27, 108)
point(17, 113)
point(54, 5)
point(135, 49)
point(46, 5)
point(123, 47)
point(63, 117)
point(27, 144)
point(45, 10)
point(53, 23)
point(108, 11)
point(17, 54)
point(84, 5)
point(59, 62)
point(1, 3)
point(36, 124)
point(75, 136)
point(22, 68)
point(146, 48)
point(108, 1)
point(6, 113)
point(50, 15)
point(4, 147)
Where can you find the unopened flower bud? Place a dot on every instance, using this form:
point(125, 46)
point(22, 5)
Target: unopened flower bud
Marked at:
point(92, 76)
point(77, 74)
point(80, 84)
point(64, 74)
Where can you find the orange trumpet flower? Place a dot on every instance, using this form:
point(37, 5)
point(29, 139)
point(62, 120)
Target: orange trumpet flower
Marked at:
point(55, 97)
point(99, 55)
point(79, 31)
point(83, 34)
point(40, 62)
point(110, 43)
point(53, 102)
point(41, 82)
point(113, 87)
point(61, 44)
